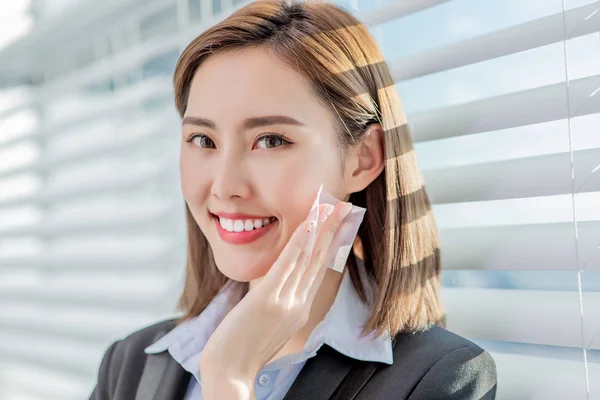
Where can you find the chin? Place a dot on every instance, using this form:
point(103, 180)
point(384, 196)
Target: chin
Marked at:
point(241, 270)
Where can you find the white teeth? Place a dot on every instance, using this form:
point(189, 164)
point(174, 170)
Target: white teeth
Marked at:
point(240, 225)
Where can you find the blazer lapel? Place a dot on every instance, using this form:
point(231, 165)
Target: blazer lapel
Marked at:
point(162, 379)
point(332, 376)
point(320, 376)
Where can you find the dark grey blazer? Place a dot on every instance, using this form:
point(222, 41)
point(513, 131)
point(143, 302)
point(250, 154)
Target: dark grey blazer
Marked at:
point(430, 365)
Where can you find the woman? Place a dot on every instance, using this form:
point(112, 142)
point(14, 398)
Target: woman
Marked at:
point(276, 100)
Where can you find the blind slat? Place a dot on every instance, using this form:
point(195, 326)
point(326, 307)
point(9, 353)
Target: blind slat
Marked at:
point(113, 146)
point(116, 223)
point(121, 62)
point(520, 247)
point(72, 324)
point(396, 9)
point(542, 104)
point(118, 102)
point(104, 185)
point(530, 377)
point(150, 259)
point(105, 296)
point(518, 212)
point(15, 141)
point(529, 35)
point(23, 346)
point(506, 180)
point(525, 316)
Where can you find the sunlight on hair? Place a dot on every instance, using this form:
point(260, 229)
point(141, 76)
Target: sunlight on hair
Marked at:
point(418, 250)
point(411, 183)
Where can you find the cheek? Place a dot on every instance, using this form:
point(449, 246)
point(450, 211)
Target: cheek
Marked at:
point(192, 182)
point(281, 185)
point(291, 186)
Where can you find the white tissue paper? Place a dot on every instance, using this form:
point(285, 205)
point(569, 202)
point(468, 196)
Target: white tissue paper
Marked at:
point(344, 238)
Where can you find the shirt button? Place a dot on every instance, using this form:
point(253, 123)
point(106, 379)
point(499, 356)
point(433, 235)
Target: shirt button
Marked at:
point(264, 380)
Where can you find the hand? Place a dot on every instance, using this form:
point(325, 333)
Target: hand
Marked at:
point(269, 315)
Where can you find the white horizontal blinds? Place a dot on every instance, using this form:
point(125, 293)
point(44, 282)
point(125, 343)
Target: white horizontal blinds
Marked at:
point(91, 223)
point(505, 116)
point(92, 240)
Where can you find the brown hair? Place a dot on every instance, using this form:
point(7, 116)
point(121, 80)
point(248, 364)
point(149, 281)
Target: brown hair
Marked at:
point(340, 59)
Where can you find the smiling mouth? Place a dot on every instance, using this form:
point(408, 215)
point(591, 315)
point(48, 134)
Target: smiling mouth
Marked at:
point(246, 231)
point(243, 225)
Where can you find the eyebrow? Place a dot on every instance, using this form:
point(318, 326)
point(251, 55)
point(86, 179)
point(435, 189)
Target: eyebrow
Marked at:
point(249, 123)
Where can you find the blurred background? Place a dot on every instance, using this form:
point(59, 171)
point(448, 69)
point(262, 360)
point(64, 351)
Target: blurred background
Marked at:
point(502, 99)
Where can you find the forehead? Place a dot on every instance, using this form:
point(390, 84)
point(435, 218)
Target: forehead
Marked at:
point(252, 82)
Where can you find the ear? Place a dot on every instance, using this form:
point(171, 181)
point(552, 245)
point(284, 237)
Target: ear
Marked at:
point(365, 160)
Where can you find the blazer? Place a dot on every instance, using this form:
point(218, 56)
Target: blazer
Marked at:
point(430, 365)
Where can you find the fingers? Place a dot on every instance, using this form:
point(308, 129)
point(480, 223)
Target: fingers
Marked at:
point(298, 271)
point(305, 254)
point(279, 273)
point(315, 271)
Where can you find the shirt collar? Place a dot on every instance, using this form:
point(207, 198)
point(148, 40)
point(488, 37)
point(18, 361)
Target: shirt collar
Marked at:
point(342, 326)
point(340, 329)
point(198, 329)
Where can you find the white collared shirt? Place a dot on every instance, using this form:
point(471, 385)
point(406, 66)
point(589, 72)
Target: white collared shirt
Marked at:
point(340, 329)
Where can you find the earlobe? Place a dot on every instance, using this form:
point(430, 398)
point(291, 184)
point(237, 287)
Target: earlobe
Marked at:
point(369, 159)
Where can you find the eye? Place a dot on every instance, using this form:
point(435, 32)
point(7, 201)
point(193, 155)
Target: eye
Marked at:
point(201, 141)
point(271, 141)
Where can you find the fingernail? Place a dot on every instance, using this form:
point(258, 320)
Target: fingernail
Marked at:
point(345, 210)
point(327, 210)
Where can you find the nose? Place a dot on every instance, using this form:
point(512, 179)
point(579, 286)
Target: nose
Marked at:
point(229, 178)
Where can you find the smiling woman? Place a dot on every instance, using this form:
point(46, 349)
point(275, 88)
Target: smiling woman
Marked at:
point(276, 101)
point(257, 124)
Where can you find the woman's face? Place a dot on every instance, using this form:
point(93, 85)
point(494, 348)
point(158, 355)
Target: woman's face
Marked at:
point(256, 146)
